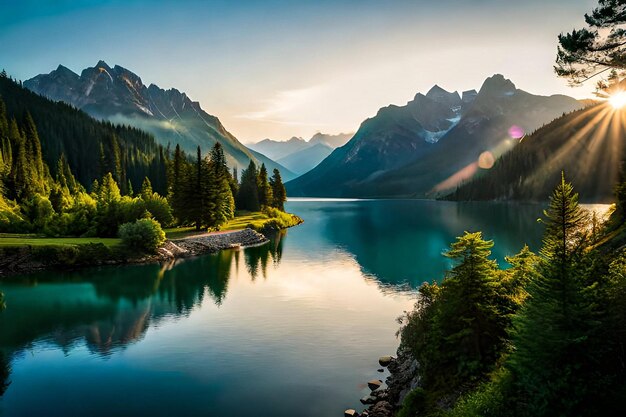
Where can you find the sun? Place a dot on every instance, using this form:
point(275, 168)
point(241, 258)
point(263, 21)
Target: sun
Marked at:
point(618, 100)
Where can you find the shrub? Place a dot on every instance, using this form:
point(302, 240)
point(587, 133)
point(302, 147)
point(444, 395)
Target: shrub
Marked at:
point(159, 208)
point(413, 404)
point(144, 235)
point(11, 220)
point(39, 211)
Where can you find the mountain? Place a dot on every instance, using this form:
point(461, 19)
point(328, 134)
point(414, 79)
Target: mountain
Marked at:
point(587, 145)
point(306, 159)
point(332, 141)
point(118, 95)
point(299, 155)
point(432, 143)
point(279, 149)
point(91, 147)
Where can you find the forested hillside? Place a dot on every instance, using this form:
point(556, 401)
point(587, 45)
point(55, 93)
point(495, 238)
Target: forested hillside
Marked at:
point(91, 148)
point(587, 144)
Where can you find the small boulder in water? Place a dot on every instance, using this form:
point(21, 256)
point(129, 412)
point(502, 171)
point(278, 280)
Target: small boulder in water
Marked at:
point(350, 413)
point(368, 399)
point(385, 361)
point(374, 384)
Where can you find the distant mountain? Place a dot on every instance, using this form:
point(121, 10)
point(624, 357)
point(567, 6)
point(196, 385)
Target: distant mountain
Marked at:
point(587, 145)
point(279, 149)
point(432, 143)
point(306, 159)
point(332, 141)
point(118, 95)
point(299, 155)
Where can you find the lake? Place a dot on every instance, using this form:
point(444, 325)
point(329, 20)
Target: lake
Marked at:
point(291, 328)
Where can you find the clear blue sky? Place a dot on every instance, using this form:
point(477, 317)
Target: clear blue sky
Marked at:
point(278, 68)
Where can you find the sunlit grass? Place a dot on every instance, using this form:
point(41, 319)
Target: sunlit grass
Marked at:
point(16, 240)
point(242, 220)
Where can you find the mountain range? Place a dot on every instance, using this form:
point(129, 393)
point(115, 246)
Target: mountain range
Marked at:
point(299, 155)
point(118, 95)
point(433, 143)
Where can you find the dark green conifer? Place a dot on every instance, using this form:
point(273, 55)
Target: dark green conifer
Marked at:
point(550, 332)
point(265, 191)
point(248, 194)
point(279, 194)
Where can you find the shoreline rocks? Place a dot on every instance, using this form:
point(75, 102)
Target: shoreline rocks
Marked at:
point(404, 377)
point(210, 243)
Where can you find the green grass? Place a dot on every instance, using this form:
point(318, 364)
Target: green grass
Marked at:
point(181, 232)
point(245, 219)
point(15, 240)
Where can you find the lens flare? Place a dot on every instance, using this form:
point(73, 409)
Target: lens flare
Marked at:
point(486, 160)
point(516, 132)
point(618, 100)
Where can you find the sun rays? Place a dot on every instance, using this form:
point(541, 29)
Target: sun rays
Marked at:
point(618, 100)
point(586, 144)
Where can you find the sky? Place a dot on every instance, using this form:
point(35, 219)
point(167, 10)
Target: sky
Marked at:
point(277, 69)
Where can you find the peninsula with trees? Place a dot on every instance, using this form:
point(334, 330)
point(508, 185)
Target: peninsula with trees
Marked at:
point(77, 191)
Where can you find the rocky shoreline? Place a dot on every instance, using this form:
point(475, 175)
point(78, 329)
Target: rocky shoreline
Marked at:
point(403, 378)
point(24, 260)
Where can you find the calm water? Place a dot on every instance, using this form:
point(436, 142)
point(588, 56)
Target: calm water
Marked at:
point(290, 328)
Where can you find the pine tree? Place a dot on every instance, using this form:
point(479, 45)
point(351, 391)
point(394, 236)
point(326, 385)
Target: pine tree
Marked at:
point(21, 185)
point(265, 191)
point(129, 189)
point(279, 194)
point(248, 194)
point(221, 196)
point(146, 189)
point(470, 317)
point(107, 196)
point(196, 192)
point(178, 185)
point(550, 331)
point(589, 52)
point(34, 155)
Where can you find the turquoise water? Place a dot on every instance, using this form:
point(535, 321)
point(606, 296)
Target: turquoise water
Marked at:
point(291, 328)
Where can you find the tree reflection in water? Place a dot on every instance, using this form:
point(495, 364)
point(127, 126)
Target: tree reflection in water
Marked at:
point(107, 309)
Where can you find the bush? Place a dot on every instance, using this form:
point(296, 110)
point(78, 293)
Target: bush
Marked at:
point(144, 235)
point(159, 208)
point(413, 404)
point(11, 219)
point(39, 211)
point(491, 399)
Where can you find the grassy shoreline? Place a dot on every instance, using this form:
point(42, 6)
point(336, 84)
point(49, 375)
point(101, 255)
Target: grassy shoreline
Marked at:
point(23, 253)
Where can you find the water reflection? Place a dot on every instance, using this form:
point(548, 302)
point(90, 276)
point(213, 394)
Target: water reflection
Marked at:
point(5, 372)
point(109, 308)
point(399, 243)
point(259, 331)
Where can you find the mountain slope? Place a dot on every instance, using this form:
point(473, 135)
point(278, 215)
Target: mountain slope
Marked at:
point(430, 144)
point(306, 159)
point(587, 145)
point(118, 95)
point(91, 147)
